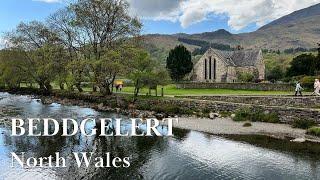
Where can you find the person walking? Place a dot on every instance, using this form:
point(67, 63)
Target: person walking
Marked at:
point(298, 89)
point(316, 87)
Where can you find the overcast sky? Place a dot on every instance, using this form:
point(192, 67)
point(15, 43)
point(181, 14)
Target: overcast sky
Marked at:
point(171, 16)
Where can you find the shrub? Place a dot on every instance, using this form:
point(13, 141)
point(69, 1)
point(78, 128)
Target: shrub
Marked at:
point(167, 108)
point(247, 124)
point(246, 77)
point(256, 115)
point(206, 111)
point(225, 114)
point(315, 131)
point(308, 81)
point(271, 118)
point(242, 115)
point(303, 123)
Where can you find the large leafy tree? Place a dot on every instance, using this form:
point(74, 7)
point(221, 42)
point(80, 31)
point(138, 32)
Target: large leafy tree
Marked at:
point(179, 62)
point(43, 53)
point(11, 74)
point(103, 24)
point(145, 72)
point(305, 64)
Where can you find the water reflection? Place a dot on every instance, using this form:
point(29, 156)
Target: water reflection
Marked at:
point(187, 155)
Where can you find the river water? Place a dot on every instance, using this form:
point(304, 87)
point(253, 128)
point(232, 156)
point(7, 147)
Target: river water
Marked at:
point(188, 155)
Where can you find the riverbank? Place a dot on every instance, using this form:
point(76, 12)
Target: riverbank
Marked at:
point(191, 112)
point(226, 126)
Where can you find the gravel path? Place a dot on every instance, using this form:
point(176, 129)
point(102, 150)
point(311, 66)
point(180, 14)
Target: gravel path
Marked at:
point(225, 126)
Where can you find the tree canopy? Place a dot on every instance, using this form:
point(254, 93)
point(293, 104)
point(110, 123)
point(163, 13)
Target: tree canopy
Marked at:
point(179, 62)
point(305, 64)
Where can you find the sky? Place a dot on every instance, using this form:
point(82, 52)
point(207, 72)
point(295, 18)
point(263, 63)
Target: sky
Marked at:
point(169, 16)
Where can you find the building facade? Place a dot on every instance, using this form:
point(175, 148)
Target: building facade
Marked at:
point(225, 66)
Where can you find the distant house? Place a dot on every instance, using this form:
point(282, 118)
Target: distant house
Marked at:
point(225, 66)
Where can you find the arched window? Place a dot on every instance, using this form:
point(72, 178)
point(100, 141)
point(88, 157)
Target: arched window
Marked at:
point(210, 68)
point(205, 69)
point(214, 69)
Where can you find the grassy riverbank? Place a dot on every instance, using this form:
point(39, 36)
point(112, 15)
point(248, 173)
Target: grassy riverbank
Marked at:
point(172, 90)
point(195, 109)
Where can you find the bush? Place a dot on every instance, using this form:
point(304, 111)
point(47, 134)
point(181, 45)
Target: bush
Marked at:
point(271, 118)
point(308, 81)
point(242, 115)
point(303, 123)
point(256, 115)
point(246, 77)
point(315, 131)
point(167, 108)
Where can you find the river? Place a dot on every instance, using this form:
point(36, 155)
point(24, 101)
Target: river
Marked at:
point(188, 155)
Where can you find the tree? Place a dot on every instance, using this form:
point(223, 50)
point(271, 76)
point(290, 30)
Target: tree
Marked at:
point(318, 61)
point(275, 74)
point(304, 64)
point(106, 69)
point(145, 72)
point(78, 71)
point(42, 50)
point(11, 61)
point(104, 24)
point(179, 63)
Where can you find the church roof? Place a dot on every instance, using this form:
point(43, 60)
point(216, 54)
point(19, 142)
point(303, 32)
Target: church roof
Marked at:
point(239, 57)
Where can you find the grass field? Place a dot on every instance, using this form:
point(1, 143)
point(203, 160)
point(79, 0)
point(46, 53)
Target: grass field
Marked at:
point(171, 90)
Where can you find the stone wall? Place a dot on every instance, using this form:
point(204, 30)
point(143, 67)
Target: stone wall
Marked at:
point(238, 86)
point(118, 103)
point(286, 114)
point(286, 101)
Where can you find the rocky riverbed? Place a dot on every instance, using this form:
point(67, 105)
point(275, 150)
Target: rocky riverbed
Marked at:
point(226, 126)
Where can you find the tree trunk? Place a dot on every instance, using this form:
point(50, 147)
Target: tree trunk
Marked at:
point(94, 88)
point(105, 90)
point(61, 85)
point(78, 86)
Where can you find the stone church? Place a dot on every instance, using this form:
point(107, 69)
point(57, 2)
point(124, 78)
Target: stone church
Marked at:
point(225, 66)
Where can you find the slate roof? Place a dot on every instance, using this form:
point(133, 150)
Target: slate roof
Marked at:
point(239, 58)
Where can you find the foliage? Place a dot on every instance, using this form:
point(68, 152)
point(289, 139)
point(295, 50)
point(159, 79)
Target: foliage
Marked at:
point(275, 73)
point(303, 123)
point(305, 64)
point(255, 115)
point(242, 115)
point(11, 73)
point(246, 77)
point(78, 43)
point(144, 72)
point(179, 62)
point(307, 81)
point(315, 131)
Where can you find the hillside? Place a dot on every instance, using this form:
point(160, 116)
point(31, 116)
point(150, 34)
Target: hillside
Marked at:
point(299, 29)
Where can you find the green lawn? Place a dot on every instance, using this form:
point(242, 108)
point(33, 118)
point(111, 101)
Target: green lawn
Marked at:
point(171, 90)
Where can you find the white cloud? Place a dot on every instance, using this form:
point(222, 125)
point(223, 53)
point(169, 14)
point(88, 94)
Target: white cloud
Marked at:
point(241, 13)
point(156, 9)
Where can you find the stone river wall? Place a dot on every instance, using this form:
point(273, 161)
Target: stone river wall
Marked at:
point(188, 106)
point(286, 114)
point(286, 101)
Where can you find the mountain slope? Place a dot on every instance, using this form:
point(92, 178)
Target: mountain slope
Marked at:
point(295, 16)
point(300, 29)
